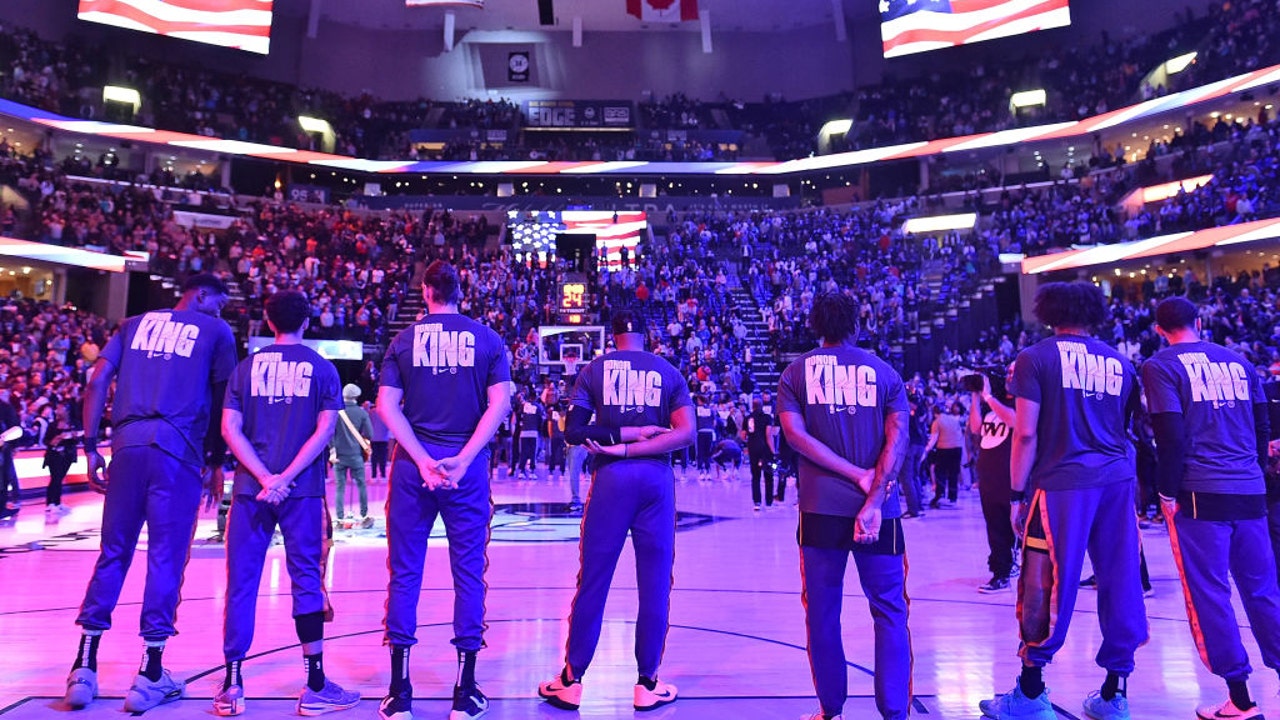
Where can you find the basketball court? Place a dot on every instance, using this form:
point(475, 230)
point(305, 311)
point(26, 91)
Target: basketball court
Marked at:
point(736, 647)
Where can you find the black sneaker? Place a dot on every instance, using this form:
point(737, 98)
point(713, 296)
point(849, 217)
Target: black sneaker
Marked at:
point(994, 585)
point(1090, 582)
point(468, 703)
point(397, 707)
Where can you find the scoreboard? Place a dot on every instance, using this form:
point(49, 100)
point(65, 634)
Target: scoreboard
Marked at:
point(572, 306)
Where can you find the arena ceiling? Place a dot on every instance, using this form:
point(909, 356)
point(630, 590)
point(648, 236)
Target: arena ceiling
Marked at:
point(597, 15)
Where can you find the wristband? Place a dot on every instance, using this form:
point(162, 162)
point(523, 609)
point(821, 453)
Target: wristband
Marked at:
point(90, 442)
point(1018, 496)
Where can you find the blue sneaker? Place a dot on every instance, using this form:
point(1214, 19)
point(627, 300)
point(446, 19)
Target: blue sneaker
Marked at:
point(327, 699)
point(1016, 706)
point(1117, 708)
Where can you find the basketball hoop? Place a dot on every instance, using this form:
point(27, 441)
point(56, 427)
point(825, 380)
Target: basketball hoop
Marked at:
point(570, 366)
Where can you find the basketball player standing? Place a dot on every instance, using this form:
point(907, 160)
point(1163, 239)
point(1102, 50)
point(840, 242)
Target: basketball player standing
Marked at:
point(845, 412)
point(281, 410)
point(1211, 424)
point(643, 414)
point(1072, 453)
point(451, 375)
point(171, 368)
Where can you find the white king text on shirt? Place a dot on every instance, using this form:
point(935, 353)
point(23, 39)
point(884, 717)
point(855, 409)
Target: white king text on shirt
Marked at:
point(158, 334)
point(1215, 382)
point(829, 383)
point(273, 377)
point(1083, 370)
point(624, 387)
point(435, 347)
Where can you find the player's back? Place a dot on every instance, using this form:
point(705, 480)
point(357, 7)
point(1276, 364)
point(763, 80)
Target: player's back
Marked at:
point(1085, 389)
point(445, 364)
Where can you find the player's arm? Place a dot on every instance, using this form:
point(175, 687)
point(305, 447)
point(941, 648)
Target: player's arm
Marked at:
point(1262, 429)
point(389, 399)
point(233, 433)
point(95, 404)
point(1170, 432)
point(975, 413)
point(817, 452)
point(95, 401)
point(499, 397)
point(1023, 450)
point(896, 435)
point(684, 426)
point(326, 423)
point(934, 431)
point(579, 429)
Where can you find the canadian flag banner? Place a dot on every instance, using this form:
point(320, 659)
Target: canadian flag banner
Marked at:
point(664, 11)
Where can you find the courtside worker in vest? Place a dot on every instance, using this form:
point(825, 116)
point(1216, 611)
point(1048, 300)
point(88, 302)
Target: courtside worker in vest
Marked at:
point(643, 413)
point(171, 369)
point(845, 412)
point(281, 410)
point(445, 389)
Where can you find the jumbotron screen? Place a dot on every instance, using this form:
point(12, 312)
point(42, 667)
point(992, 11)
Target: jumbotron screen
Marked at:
point(240, 24)
point(914, 26)
point(536, 232)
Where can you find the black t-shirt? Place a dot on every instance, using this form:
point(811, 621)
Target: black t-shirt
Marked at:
point(758, 424)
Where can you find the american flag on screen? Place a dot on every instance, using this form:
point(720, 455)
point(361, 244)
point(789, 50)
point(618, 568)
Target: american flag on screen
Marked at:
point(613, 231)
point(242, 24)
point(537, 235)
point(912, 26)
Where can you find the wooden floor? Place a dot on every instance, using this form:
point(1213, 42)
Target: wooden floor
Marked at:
point(736, 648)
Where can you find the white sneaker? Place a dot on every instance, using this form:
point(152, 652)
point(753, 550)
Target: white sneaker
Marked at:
point(661, 694)
point(82, 688)
point(229, 702)
point(1227, 711)
point(558, 694)
point(146, 693)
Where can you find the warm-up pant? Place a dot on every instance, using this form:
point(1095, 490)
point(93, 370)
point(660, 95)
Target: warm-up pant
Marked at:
point(706, 440)
point(1209, 555)
point(995, 496)
point(411, 511)
point(354, 466)
point(144, 485)
point(636, 496)
point(1063, 525)
point(883, 579)
point(761, 465)
point(947, 464)
point(58, 469)
point(378, 459)
point(910, 478)
point(527, 454)
point(576, 458)
point(1273, 527)
point(250, 526)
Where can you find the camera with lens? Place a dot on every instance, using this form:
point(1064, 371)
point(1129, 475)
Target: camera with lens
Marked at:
point(994, 374)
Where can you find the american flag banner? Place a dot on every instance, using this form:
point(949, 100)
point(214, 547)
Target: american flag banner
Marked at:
point(241, 24)
point(913, 26)
point(535, 233)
